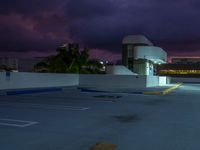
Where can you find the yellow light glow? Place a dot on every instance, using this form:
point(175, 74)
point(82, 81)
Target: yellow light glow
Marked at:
point(179, 71)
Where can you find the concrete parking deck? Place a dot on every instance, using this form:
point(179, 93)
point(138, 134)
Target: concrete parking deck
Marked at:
point(75, 120)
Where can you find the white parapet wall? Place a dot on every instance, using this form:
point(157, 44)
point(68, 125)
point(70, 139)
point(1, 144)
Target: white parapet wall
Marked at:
point(163, 81)
point(20, 80)
point(152, 81)
point(112, 81)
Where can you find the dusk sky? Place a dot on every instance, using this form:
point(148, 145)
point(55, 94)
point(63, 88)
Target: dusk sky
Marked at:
point(36, 27)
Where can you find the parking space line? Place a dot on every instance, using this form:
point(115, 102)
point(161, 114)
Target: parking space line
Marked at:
point(44, 106)
point(164, 92)
point(16, 123)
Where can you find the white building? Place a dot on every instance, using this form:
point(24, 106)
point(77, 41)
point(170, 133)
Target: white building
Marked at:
point(139, 54)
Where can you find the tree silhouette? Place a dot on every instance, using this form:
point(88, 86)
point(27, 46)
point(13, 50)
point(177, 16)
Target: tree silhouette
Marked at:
point(69, 60)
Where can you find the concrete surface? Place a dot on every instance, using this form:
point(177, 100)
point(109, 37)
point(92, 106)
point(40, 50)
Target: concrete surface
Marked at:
point(71, 120)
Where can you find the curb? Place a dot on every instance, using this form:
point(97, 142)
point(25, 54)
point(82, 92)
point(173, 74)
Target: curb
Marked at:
point(111, 92)
point(164, 92)
point(29, 91)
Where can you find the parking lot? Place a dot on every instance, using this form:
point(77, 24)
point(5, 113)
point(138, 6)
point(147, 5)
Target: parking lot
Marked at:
point(75, 120)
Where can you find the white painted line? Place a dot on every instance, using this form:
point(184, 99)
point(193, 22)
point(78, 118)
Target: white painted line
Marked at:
point(12, 125)
point(5, 119)
point(44, 106)
point(30, 124)
point(16, 123)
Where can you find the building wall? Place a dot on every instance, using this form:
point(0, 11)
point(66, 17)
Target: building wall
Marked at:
point(37, 80)
point(128, 55)
point(143, 67)
point(163, 81)
point(152, 81)
point(178, 70)
point(136, 39)
point(137, 47)
point(140, 68)
point(152, 53)
point(125, 55)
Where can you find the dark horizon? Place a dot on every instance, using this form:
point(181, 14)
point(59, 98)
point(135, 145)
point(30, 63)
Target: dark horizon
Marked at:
point(36, 28)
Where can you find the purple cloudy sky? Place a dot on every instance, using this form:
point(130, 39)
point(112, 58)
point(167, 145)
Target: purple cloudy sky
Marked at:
point(37, 27)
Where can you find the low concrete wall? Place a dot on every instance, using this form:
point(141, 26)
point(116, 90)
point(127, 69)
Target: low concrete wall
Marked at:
point(21, 80)
point(112, 81)
point(152, 81)
point(185, 80)
point(163, 81)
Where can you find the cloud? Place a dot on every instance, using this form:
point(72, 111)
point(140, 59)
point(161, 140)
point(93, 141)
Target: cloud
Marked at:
point(28, 7)
point(32, 34)
point(41, 26)
point(85, 9)
point(159, 20)
point(104, 55)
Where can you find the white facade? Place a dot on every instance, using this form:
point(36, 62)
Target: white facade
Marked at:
point(139, 47)
point(155, 54)
point(136, 39)
point(139, 55)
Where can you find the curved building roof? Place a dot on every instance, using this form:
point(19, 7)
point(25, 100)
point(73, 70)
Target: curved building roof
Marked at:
point(136, 39)
point(153, 53)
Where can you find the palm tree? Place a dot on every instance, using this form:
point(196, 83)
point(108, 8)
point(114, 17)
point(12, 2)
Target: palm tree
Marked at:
point(69, 61)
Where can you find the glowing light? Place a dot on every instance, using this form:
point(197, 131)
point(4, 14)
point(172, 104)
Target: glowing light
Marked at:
point(179, 72)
